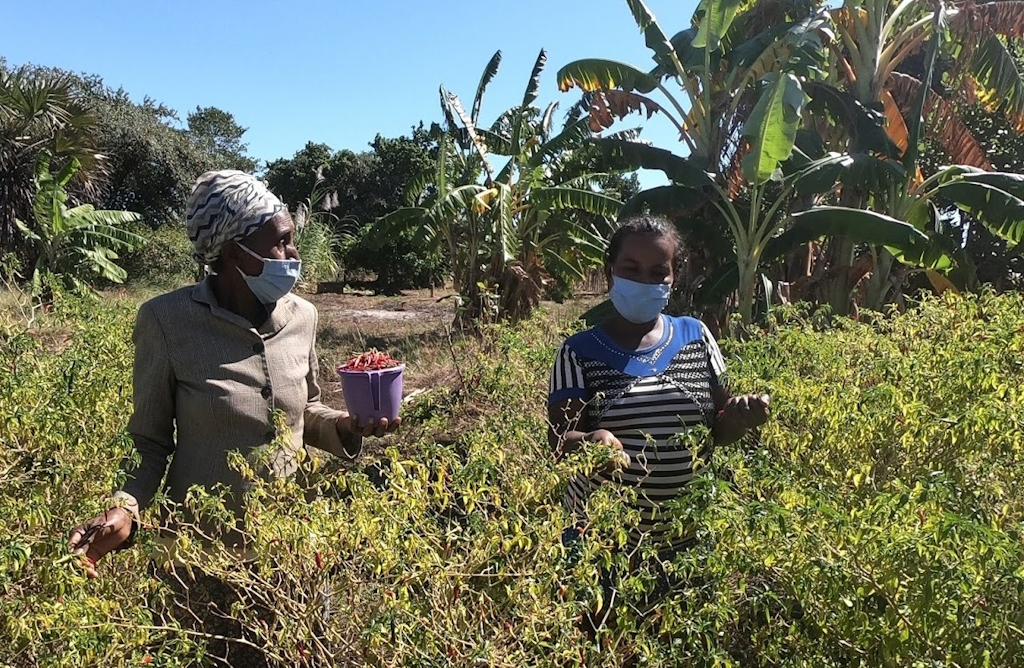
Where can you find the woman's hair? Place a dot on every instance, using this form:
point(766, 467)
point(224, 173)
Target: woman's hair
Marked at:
point(655, 227)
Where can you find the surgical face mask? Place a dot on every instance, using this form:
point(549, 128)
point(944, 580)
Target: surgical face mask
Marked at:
point(639, 302)
point(275, 281)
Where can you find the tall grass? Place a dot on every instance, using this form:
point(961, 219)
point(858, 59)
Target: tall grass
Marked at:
point(319, 235)
point(319, 247)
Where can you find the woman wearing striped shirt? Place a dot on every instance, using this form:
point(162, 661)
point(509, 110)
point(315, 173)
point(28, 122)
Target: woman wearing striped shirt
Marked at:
point(640, 378)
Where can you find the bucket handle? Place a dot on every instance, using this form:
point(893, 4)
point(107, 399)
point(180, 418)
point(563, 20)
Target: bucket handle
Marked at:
point(375, 389)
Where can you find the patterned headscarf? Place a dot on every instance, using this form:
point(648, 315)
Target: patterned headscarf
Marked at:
point(226, 205)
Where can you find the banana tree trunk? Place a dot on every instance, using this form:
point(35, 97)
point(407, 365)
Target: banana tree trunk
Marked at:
point(747, 270)
point(453, 253)
point(838, 288)
point(881, 282)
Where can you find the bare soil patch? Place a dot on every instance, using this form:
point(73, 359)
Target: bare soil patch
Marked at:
point(412, 327)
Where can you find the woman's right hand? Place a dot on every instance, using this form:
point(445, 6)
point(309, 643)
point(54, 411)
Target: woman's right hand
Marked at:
point(619, 459)
point(101, 535)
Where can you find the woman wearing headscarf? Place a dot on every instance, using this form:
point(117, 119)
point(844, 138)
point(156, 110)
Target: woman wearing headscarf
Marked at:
point(213, 360)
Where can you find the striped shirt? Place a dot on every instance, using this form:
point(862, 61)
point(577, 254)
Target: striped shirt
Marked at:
point(645, 398)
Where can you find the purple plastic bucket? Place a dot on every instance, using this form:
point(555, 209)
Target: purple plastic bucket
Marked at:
point(371, 395)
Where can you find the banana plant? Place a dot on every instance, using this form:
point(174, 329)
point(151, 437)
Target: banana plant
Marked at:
point(746, 104)
point(993, 198)
point(77, 243)
point(717, 72)
point(440, 211)
point(877, 37)
point(541, 215)
point(870, 59)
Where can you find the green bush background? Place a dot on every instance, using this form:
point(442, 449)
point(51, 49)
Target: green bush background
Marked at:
point(875, 521)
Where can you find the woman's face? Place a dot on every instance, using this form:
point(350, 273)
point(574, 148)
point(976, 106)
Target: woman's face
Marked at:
point(274, 240)
point(644, 259)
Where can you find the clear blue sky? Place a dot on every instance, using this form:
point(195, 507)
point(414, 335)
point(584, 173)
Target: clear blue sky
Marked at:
point(334, 72)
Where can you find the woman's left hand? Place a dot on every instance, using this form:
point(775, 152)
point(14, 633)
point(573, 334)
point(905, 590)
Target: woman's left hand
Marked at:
point(746, 411)
point(349, 424)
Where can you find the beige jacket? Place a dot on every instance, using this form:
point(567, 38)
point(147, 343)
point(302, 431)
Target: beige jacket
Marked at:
point(205, 383)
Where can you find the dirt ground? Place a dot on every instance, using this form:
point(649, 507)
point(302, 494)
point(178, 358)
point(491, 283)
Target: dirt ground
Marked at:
point(411, 306)
point(412, 327)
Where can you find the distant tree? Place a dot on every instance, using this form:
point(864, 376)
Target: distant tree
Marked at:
point(221, 136)
point(152, 165)
point(150, 158)
point(293, 178)
point(137, 157)
point(398, 161)
point(364, 186)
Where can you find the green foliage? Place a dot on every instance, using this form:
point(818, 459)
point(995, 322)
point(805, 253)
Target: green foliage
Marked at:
point(73, 244)
point(886, 490)
point(874, 521)
point(398, 260)
point(319, 246)
point(221, 136)
point(361, 187)
point(146, 160)
point(1004, 149)
point(535, 225)
point(68, 389)
point(753, 78)
point(41, 112)
point(164, 261)
point(151, 164)
point(317, 236)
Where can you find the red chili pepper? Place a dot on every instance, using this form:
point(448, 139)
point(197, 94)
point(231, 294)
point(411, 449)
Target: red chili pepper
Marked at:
point(370, 360)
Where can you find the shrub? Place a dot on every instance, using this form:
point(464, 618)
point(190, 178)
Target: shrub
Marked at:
point(319, 247)
point(398, 263)
point(164, 262)
point(874, 521)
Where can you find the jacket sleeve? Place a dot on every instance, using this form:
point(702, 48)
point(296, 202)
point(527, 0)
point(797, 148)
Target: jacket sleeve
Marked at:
point(152, 423)
point(319, 421)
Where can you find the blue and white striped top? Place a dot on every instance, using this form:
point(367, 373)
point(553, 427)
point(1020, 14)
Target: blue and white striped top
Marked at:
point(645, 398)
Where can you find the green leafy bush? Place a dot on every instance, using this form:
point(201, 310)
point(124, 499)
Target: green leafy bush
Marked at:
point(398, 263)
point(164, 261)
point(875, 521)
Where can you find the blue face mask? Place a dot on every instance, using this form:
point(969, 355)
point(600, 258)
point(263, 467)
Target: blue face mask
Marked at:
point(275, 281)
point(639, 302)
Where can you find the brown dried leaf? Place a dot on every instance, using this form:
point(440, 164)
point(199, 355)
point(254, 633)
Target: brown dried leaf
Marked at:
point(607, 105)
point(1004, 18)
point(895, 126)
point(945, 124)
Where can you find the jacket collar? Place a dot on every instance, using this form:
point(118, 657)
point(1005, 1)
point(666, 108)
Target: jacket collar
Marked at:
point(281, 314)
